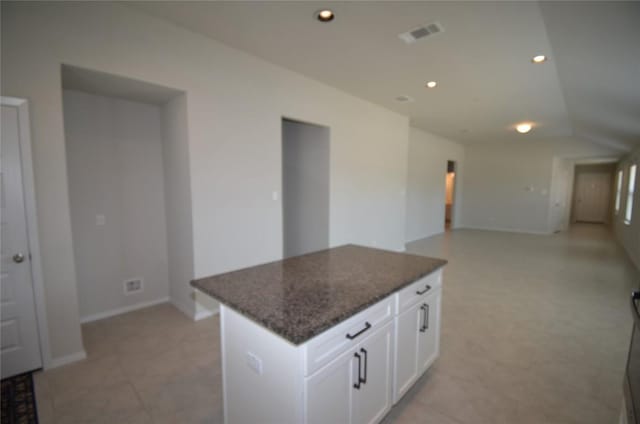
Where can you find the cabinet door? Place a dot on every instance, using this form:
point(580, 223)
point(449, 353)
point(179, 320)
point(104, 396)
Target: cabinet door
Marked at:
point(329, 392)
point(373, 400)
point(408, 332)
point(429, 339)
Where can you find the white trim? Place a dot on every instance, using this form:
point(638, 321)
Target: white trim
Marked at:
point(507, 230)
point(223, 358)
point(183, 308)
point(206, 313)
point(67, 359)
point(124, 310)
point(28, 184)
point(425, 236)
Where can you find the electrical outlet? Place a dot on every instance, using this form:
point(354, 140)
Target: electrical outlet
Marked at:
point(254, 362)
point(133, 285)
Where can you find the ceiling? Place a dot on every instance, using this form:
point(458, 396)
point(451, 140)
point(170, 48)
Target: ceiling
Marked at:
point(588, 89)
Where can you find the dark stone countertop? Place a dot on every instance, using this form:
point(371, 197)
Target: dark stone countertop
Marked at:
point(300, 297)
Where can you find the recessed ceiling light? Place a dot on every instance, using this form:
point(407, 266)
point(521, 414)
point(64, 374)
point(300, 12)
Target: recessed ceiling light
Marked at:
point(325, 15)
point(524, 127)
point(539, 58)
point(431, 84)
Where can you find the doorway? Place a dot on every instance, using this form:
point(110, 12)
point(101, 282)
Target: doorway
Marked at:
point(305, 187)
point(450, 191)
point(592, 200)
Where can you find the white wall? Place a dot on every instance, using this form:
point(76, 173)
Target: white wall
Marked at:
point(177, 185)
point(428, 155)
point(507, 185)
point(629, 235)
point(305, 187)
point(114, 160)
point(235, 103)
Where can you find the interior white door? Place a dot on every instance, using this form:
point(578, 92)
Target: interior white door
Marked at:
point(20, 347)
point(593, 191)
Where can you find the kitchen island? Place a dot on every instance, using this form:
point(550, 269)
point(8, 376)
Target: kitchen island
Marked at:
point(336, 336)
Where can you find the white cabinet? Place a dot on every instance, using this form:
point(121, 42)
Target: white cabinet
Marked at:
point(329, 392)
point(356, 387)
point(429, 333)
point(417, 343)
point(406, 364)
point(350, 374)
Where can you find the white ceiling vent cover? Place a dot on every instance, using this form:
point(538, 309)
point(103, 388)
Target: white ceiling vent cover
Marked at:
point(421, 32)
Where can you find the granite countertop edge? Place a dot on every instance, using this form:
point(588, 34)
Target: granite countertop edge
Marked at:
point(298, 339)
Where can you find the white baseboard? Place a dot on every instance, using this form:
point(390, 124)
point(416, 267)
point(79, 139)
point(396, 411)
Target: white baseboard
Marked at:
point(198, 314)
point(423, 237)
point(122, 310)
point(506, 230)
point(189, 312)
point(67, 359)
point(206, 314)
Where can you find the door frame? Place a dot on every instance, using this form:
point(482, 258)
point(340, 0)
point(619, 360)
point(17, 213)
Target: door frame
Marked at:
point(454, 201)
point(28, 186)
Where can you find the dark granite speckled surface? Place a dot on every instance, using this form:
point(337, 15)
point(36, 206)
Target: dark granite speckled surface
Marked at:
point(299, 298)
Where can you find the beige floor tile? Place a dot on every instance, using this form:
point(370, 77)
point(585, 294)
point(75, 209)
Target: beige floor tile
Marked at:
point(535, 330)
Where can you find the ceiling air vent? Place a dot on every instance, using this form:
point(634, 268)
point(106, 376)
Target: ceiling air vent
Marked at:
point(421, 32)
point(404, 99)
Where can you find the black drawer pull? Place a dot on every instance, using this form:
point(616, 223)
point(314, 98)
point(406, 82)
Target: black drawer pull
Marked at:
point(426, 289)
point(356, 385)
point(366, 327)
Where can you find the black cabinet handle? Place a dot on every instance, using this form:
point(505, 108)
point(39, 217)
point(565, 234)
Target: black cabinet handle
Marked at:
point(366, 327)
point(366, 355)
point(356, 385)
point(634, 308)
point(426, 289)
point(426, 316)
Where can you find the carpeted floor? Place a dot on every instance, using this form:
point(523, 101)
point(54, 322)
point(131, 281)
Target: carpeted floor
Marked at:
point(18, 400)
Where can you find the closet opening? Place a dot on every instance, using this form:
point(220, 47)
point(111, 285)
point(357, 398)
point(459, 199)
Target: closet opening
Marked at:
point(129, 193)
point(305, 187)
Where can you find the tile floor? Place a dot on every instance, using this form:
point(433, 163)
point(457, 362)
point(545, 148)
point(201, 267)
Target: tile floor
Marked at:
point(535, 330)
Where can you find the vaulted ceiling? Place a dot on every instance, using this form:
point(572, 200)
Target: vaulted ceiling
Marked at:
point(589, 88)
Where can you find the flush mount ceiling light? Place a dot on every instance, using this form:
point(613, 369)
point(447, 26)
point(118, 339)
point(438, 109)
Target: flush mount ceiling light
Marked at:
point(325, 15)
point(524, 127)
point(431, 84)
point(539, 58)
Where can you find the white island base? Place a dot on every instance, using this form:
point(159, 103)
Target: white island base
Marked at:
point(352, 373)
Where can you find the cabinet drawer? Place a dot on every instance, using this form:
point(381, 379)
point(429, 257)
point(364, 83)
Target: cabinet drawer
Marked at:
point(411, 294)
point(326, 346)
